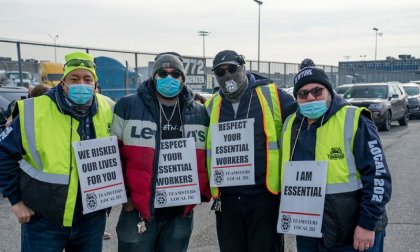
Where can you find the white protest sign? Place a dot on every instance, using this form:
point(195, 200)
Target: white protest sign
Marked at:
point(177, 179)
point(302, 198)
point(232, 153)
point(100, 174)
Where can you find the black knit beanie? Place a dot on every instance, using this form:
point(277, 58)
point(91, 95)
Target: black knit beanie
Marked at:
point(311, 75)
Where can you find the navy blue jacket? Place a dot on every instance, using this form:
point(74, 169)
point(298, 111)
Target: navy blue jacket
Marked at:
point(11, 150)
point(367, 212)
point(287, 105)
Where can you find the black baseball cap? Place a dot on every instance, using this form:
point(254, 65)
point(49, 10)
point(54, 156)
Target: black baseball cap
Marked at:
point(227, 57)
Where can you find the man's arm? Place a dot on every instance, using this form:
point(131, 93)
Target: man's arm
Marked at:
point(117, 129)
point(373, 168)
point(376, 179)
point(10, 153)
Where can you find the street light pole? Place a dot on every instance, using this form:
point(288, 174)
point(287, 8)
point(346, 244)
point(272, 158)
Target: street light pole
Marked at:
point(54, 37)
point(204, 34)
point(376, 42)
point(259, 26)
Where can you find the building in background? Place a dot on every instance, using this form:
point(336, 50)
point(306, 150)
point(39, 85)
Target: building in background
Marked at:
point(405, 68)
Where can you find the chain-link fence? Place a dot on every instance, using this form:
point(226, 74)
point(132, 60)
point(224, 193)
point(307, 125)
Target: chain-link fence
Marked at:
point(126, 69)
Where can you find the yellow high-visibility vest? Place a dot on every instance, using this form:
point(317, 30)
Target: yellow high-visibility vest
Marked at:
point(47, 137)
point(270, 103)
point(334, 142)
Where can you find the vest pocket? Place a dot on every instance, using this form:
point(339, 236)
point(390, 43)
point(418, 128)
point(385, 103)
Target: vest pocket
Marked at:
point(45, 199)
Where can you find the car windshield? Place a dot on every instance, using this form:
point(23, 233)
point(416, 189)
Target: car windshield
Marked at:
point(367, 92)
point(411, 90)
point(342, 90)
point(16, 76)
point(55, 77)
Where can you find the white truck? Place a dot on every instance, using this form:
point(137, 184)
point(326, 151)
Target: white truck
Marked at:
point(27, 78)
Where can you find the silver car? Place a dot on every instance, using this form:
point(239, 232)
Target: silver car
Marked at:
point(413, 92)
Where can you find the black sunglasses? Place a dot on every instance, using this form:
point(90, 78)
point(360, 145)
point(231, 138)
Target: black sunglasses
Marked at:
point(80, 62)
point(163, 74)
point(220, 71)
point(316, 91)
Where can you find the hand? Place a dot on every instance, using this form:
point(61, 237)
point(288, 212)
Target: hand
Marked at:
point(363, 239)
point(22, 212)
point(128, 207)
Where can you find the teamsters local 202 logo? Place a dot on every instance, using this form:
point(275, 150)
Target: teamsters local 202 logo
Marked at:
point(218, 177)
point(161, 198)
point(91, 201)
point(335, 154)
point(285, 222)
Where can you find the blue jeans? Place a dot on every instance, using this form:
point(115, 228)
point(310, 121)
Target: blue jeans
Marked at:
point(378, 246)
point(310, 244)
point(40, 235)
point(164, 235)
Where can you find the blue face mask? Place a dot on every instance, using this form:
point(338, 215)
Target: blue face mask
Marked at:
point(80, 93)
point(168, 87)
point(313, 110)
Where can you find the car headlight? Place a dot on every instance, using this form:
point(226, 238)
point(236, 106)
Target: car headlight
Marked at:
point(375, 106)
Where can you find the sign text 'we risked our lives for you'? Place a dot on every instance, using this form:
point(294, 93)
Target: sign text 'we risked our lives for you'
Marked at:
point(100, 174)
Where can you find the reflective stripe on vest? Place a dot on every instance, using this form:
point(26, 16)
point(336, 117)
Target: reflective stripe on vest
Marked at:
point(270, 104)
point(42, 176)
point(342, 173)
point(47, 135)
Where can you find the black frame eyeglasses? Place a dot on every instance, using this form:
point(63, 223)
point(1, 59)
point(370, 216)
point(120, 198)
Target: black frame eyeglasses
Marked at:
point(163, 73)
point(221, 72)
point(80, 62)
point(316, 92)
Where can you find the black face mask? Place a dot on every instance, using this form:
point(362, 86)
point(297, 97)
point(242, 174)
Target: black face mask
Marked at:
point(234, 84)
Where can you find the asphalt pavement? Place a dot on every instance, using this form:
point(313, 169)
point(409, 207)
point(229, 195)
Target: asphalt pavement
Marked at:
point(402, 150)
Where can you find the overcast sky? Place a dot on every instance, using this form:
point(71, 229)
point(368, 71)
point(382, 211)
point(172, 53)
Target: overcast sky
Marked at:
point(325, 30)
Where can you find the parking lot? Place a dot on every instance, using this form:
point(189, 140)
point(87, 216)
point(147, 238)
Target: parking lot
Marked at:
point(402, 149)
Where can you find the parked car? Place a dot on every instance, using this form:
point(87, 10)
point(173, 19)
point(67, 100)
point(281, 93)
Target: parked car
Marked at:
point(340, 90)
point(7, 96)
point(413, 92)
point(387, 101)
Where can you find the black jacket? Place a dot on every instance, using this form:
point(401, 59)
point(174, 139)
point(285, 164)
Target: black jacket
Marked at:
point(287, 105)
point(344, 211)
